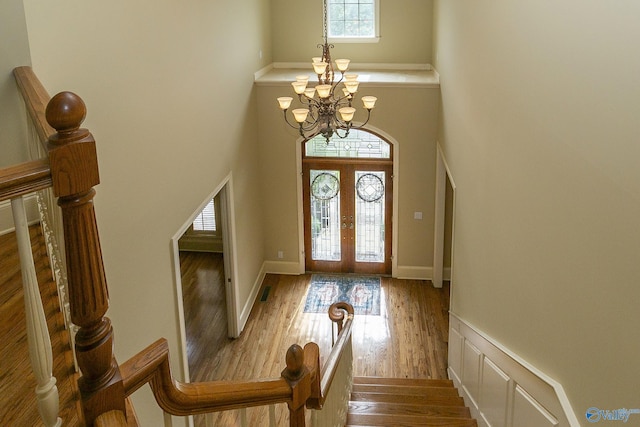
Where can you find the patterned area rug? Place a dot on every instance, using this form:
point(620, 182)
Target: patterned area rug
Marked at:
point(362, 292)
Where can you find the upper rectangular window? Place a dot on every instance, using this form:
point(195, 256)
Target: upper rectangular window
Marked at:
point(353, 20)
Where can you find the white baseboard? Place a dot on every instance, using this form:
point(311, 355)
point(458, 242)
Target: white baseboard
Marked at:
point(282, 267)
point(248, 304)
point(499, 387)
point(6, 216)
point(413, 273)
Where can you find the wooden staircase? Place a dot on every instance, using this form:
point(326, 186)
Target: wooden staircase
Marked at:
point(406, 402)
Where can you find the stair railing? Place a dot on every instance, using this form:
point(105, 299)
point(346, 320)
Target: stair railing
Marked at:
point(330, 403)
point(36, 98)
point(72, 171)
point(301, 384)
point(16, 182)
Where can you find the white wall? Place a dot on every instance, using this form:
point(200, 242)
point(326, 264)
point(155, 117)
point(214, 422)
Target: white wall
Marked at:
point(539, 127)
point(169, 92)
point(14, 52)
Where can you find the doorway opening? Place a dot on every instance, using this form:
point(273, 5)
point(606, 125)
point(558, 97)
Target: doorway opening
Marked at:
point(348, 204)
point(204, 274)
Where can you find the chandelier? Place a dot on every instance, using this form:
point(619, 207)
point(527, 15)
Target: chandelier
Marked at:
point(326, 111)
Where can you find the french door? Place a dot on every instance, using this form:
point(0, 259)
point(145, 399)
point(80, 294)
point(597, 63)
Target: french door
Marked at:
point(347, 209)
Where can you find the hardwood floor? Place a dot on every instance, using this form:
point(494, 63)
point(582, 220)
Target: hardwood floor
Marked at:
point(407, 340)
point(205, 308)
point(17, 382)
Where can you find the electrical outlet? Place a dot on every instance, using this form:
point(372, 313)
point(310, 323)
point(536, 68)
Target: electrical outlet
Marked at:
point(280, 254)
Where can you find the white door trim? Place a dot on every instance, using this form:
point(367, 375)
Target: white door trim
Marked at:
point(396, 179)
point(225, 190)
point(442, 174)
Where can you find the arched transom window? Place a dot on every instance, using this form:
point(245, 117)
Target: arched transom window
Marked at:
point(359, 144)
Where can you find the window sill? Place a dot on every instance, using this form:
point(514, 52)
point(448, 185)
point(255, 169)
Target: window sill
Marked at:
point(284, 73)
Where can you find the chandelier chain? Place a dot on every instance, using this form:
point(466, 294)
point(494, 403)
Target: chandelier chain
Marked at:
point(325, 19)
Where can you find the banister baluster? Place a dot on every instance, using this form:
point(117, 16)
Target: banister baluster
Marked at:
point(208, 420)
point(37, 332)
point(168, 420)
point(272, 415)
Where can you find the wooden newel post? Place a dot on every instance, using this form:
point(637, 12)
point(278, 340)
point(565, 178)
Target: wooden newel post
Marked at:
point(298, 377)
point(74, 170)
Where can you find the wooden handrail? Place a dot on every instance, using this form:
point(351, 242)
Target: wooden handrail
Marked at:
point(301, 381)
point(24, 178)
point(36, 98)
point(151, 366)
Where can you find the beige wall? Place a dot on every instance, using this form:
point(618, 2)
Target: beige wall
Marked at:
point(405, 39)
point(539, 127)
point(14, 51)
point(169, 90)
point(405, 33)
point(416, 177)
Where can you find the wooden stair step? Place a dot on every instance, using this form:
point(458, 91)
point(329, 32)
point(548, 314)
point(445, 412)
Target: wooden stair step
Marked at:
point(424, 382)
point(371, 408)
point(411, 399)
point(405, 390)
point(408, 421)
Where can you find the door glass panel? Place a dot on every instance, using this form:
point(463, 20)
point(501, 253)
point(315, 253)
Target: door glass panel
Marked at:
point(359, 144)
point(325, 215)
point(370, 202)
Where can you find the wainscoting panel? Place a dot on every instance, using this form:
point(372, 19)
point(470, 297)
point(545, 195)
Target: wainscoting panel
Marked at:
point(471, 358)
point(527, 412)
point(456, 341)
point(500, 388)
point(494, 391)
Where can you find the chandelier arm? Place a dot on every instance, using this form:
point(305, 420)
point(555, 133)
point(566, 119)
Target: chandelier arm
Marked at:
point(365, 122)
point(309, 102)
point(346, 132)
point(344, 101)
point(309, 125)
point(312, 118)
point(287, 120)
